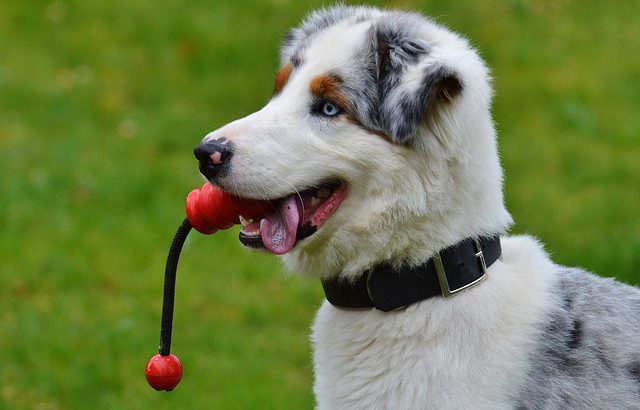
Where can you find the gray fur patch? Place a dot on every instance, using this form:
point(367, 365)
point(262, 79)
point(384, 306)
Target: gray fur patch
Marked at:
point(587, 355)
point(402, 113)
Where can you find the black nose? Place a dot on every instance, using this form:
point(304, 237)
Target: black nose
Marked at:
point(213, 157)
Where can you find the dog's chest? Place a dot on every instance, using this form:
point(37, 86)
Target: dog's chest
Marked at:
point(412, 360)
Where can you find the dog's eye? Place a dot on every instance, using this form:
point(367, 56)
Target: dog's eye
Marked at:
point(329, 109)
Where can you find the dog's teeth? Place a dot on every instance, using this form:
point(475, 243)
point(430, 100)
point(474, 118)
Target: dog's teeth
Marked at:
point(243, 221)
point(314, 201)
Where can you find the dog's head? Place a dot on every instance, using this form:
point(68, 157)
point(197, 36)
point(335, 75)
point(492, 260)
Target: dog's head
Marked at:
point(377, 144)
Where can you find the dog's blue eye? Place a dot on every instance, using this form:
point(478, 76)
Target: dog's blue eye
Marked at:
point(330, 109)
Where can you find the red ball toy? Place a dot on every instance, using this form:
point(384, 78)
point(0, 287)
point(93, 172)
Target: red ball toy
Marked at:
point(208, 209)
point(164, 372)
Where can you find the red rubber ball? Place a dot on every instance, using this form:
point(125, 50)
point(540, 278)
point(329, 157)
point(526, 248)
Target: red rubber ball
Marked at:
point(163, 372)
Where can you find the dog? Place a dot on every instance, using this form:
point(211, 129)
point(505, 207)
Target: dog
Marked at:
point(378, 154)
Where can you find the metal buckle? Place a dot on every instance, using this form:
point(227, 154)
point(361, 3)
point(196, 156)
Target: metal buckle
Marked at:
point(442, 276)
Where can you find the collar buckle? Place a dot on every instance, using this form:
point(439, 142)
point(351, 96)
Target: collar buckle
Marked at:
point(442, 274)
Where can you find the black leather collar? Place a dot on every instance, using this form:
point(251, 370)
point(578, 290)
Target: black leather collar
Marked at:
point(452, 270)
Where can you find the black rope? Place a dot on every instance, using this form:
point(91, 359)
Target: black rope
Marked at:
point(170, 286)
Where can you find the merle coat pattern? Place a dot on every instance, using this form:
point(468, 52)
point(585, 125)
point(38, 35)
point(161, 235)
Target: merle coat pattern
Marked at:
point(397, 108)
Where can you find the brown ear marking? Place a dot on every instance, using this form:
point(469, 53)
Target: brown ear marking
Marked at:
point(328, 87)
point(282, 76)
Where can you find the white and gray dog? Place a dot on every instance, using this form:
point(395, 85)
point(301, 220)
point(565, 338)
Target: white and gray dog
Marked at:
point(378, 153)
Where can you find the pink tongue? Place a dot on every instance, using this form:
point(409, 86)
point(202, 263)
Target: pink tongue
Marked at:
point(278, 229)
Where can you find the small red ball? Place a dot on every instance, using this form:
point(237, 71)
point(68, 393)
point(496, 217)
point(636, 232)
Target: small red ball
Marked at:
point(163, 372)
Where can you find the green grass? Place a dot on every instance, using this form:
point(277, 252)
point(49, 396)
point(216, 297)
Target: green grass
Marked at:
point(101, 104)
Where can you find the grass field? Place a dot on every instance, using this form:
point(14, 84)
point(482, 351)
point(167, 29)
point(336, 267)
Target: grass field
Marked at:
point(101, 103)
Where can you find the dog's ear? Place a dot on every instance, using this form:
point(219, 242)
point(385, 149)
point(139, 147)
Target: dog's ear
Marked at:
point(411, 83)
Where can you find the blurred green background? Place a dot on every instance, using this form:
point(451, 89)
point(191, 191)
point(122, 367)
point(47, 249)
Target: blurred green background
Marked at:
point(101, 104)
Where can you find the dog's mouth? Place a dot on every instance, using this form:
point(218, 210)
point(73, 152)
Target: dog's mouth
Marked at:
point(293, 218)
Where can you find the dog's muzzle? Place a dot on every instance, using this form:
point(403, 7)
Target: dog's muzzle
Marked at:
point(214, 157)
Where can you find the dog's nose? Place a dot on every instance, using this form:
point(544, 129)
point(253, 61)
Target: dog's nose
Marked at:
point(213, 157)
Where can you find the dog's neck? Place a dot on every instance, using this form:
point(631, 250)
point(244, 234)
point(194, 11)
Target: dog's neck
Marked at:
point(447, 273)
